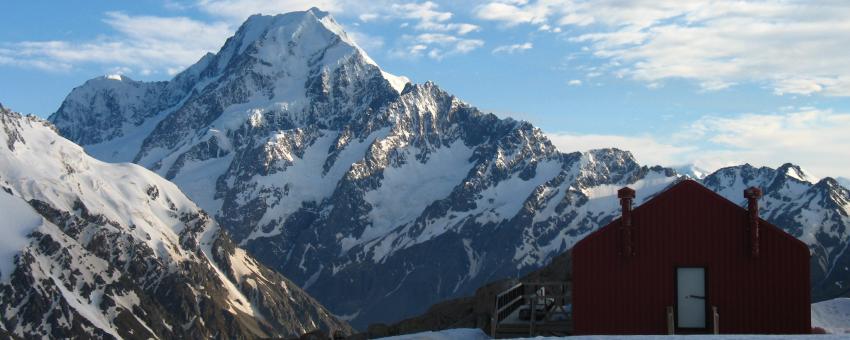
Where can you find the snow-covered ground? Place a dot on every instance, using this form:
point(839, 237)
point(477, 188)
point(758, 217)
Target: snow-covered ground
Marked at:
point(701, 337)
point(449, 334)
point(833, 316)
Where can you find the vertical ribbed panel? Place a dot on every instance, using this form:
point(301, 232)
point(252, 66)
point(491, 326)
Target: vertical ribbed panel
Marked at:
point(690, 226)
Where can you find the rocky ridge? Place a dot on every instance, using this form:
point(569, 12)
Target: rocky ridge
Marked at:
point(99, 250)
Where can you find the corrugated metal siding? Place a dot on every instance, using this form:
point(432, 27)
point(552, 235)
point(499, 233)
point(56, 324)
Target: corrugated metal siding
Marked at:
point(688, 225)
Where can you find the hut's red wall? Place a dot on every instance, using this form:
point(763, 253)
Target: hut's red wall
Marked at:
point(690, 226)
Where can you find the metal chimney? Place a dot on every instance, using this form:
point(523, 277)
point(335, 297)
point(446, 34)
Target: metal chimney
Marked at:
point(626, 196)
point(753, 194)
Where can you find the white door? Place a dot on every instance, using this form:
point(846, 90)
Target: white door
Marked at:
point(690, 302)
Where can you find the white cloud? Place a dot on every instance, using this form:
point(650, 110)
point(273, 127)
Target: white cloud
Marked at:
point(510, 14)
point(574, 82)
point(13, 57)
point(142, 42)
point(436, 46)
point(425, 11)
point(511, 49)
point(646, 149)
point(812, 138)
point(367, 17)
point(794, 47)
point(428, 17)
point(464, 46)
point(440, 38)
point(816, 139)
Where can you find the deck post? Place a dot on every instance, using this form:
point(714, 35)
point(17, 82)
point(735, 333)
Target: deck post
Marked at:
point(533, 296)
point(671, 326)
point(494, 319)
point(716, 318)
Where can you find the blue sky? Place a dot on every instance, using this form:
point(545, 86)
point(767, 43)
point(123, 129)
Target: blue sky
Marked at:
point(714, 84)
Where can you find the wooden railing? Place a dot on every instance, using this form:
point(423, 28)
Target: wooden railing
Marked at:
point(545, 303)
point(507, 302)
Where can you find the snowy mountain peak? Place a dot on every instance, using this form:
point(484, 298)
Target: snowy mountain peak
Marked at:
point(312, 24)
point(294, 69)
point(317, 12)
point(692, 171)
point(117, 77)
point(313, 34)
point(112, 80)
point(795, 172)
point(829, 185)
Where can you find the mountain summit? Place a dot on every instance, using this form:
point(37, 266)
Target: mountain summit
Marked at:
point(272, 62)
point(378, 196)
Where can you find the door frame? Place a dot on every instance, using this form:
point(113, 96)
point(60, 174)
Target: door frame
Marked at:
point(708, 320)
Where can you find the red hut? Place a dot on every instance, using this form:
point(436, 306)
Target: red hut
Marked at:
point(690, 261)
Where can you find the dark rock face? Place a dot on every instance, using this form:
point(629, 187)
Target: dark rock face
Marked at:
point(115, 251)
point(381, 200)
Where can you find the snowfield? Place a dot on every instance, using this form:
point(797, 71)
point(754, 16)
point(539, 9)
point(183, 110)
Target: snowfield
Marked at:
point(832, 315)
point(460, 333)
point(20, 221)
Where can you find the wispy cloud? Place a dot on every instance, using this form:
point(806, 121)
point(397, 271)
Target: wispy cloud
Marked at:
point(436, 46)
point(514, 48)
point(367, 17)
point(814, 138)
point(440, 36)
point(429, 17)
point(513, 13)
point(646, 149)
point(792, 47)
point(141, 43)
point(817, 139)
